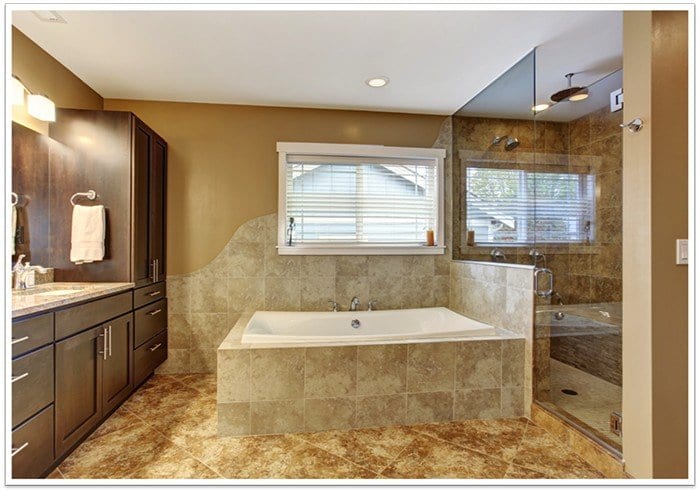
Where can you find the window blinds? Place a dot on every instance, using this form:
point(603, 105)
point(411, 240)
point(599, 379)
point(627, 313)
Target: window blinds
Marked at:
point(357, 200)
point(515, 206)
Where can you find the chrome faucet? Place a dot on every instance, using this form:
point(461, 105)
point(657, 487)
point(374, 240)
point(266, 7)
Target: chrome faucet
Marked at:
point(334, 305)
point(354, 303)
point(372, 305)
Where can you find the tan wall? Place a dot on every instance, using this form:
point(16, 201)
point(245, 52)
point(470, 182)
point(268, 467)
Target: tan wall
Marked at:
point(43, 74)
point(222, 168)
point(669, 220)
point(655, 205)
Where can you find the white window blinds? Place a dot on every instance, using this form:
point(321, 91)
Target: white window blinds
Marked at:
point(360, 200)
point(515, 206)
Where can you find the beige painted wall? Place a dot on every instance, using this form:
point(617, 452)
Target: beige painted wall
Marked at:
point(655, 213)
point(43, 74)
point(222, 161)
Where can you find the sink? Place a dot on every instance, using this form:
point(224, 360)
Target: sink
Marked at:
point(56, 291)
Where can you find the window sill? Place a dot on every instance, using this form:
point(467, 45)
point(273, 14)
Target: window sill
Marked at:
point(360, 250)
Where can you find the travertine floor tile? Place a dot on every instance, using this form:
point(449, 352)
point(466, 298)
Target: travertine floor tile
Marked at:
point(373, 449)
point(429, 458)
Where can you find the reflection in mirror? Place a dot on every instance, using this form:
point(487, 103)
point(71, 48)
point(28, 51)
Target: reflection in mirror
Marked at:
point(493, 146)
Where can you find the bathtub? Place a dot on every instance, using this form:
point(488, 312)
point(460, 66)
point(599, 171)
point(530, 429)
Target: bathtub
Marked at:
point(277, 327)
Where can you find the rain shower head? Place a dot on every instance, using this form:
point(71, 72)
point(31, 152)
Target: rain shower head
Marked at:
point(511, 142)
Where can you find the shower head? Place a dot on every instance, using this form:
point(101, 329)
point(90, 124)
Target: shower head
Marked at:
point(511, 142)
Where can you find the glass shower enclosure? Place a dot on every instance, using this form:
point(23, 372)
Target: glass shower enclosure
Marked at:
point(537, 167)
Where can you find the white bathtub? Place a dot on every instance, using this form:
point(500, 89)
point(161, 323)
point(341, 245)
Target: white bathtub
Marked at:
point(278, 327)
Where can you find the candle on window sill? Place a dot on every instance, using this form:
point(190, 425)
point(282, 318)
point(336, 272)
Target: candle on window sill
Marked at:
point(430, 237)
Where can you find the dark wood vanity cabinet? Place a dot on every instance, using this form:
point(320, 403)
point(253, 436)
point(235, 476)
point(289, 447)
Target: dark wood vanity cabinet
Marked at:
point(74, 366)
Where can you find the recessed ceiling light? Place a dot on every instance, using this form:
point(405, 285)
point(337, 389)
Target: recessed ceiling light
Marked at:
point(49, 16)
point(377, 81)
point(540, 107)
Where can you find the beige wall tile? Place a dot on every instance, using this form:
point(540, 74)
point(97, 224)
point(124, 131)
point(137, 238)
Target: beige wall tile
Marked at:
point(513, 357)
point(430, 367)
point(380, 411)
point(518, 316)
point(203, 360)
point(252, 231)
point(477, 404)
point(282, 294)
point(441, 291)
point(233, 375)
point(209, 330)
point(381, 369)
point(208, 295)
point(318, 266)
point(246, 293)
point(429, 407)
point(512, 402)
point(277, 374)
point(351, 266)
point(281, 265)
point(178, 294)
point(179, 331)
point(348, 287)
point(246, 260)
point(519, 278)
point(276, 417)
point(178, 362)
point(385, 266)
point(233, 419)
point(316, 292)
point(329, 413)
point(331, 371)
point(478, 364)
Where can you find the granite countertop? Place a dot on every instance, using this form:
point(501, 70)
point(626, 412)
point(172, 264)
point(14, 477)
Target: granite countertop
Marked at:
point(53, 295)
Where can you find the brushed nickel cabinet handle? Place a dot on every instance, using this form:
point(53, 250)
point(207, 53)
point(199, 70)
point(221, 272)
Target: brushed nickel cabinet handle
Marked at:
point(18, 378)
point(16, 451)
point(153, 275)
point(109, 337)
point(103, 352)
point(155, 347)
point(18, 340)
point(153, 294)
point(153, 313)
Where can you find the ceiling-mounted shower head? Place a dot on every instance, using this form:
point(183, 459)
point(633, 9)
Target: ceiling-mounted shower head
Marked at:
point(511, 142)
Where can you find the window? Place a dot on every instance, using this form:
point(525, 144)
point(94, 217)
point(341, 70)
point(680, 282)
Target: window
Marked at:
point(510, 206)
point(359, 199)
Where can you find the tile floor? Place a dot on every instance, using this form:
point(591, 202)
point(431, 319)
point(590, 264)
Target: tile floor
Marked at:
point(595, 400)
point(167, 429)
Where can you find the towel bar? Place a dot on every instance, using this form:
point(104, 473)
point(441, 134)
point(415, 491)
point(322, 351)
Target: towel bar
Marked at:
point(90, 195)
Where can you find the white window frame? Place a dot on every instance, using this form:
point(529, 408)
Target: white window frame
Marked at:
point(353, 150)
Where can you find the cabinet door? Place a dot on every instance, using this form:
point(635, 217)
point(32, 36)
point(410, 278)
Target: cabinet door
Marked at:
point(142, 159)
point(78, 386)
point(116, 372)
point(157, 206)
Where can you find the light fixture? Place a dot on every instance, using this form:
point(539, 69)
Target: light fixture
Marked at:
point(49, 16)
point(579, 96)
point(540, 107)
point(41, 107)
point(377, 82)
point(571, 93)
point(18, 91)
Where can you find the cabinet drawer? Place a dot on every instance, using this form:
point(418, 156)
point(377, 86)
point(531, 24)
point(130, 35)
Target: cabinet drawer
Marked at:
point(32, 384)
point(31, 333)
point(32, 446)
point(78, 318)
point(146, 295)
point(150, 320)
point(149, 356)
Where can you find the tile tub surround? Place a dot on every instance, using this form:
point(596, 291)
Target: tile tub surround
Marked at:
point(249, 275)
point(500, 295)
point(313, 388)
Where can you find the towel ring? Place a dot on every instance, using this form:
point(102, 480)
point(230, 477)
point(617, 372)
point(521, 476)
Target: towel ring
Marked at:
point(15, 198)
point(90, 195)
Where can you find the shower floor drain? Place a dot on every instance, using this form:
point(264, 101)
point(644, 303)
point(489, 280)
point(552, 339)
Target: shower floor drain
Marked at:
point(571, 392)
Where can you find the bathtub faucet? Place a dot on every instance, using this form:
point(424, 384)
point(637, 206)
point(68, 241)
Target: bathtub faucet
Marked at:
point(354, 303)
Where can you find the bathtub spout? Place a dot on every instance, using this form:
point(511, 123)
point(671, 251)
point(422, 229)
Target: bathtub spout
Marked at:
point(354, 303)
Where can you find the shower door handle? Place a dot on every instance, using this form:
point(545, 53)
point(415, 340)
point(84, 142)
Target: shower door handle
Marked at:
point(544, 292)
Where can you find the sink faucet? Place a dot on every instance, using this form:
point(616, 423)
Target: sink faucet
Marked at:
point(354, 303)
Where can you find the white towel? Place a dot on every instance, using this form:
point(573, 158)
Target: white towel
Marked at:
point(13, 232)
point(87, 234)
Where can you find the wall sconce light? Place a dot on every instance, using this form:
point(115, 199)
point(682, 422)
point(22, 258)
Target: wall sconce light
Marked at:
point(41, 107)
point(18, 91)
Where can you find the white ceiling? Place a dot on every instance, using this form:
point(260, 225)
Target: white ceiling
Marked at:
point(436, 61)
